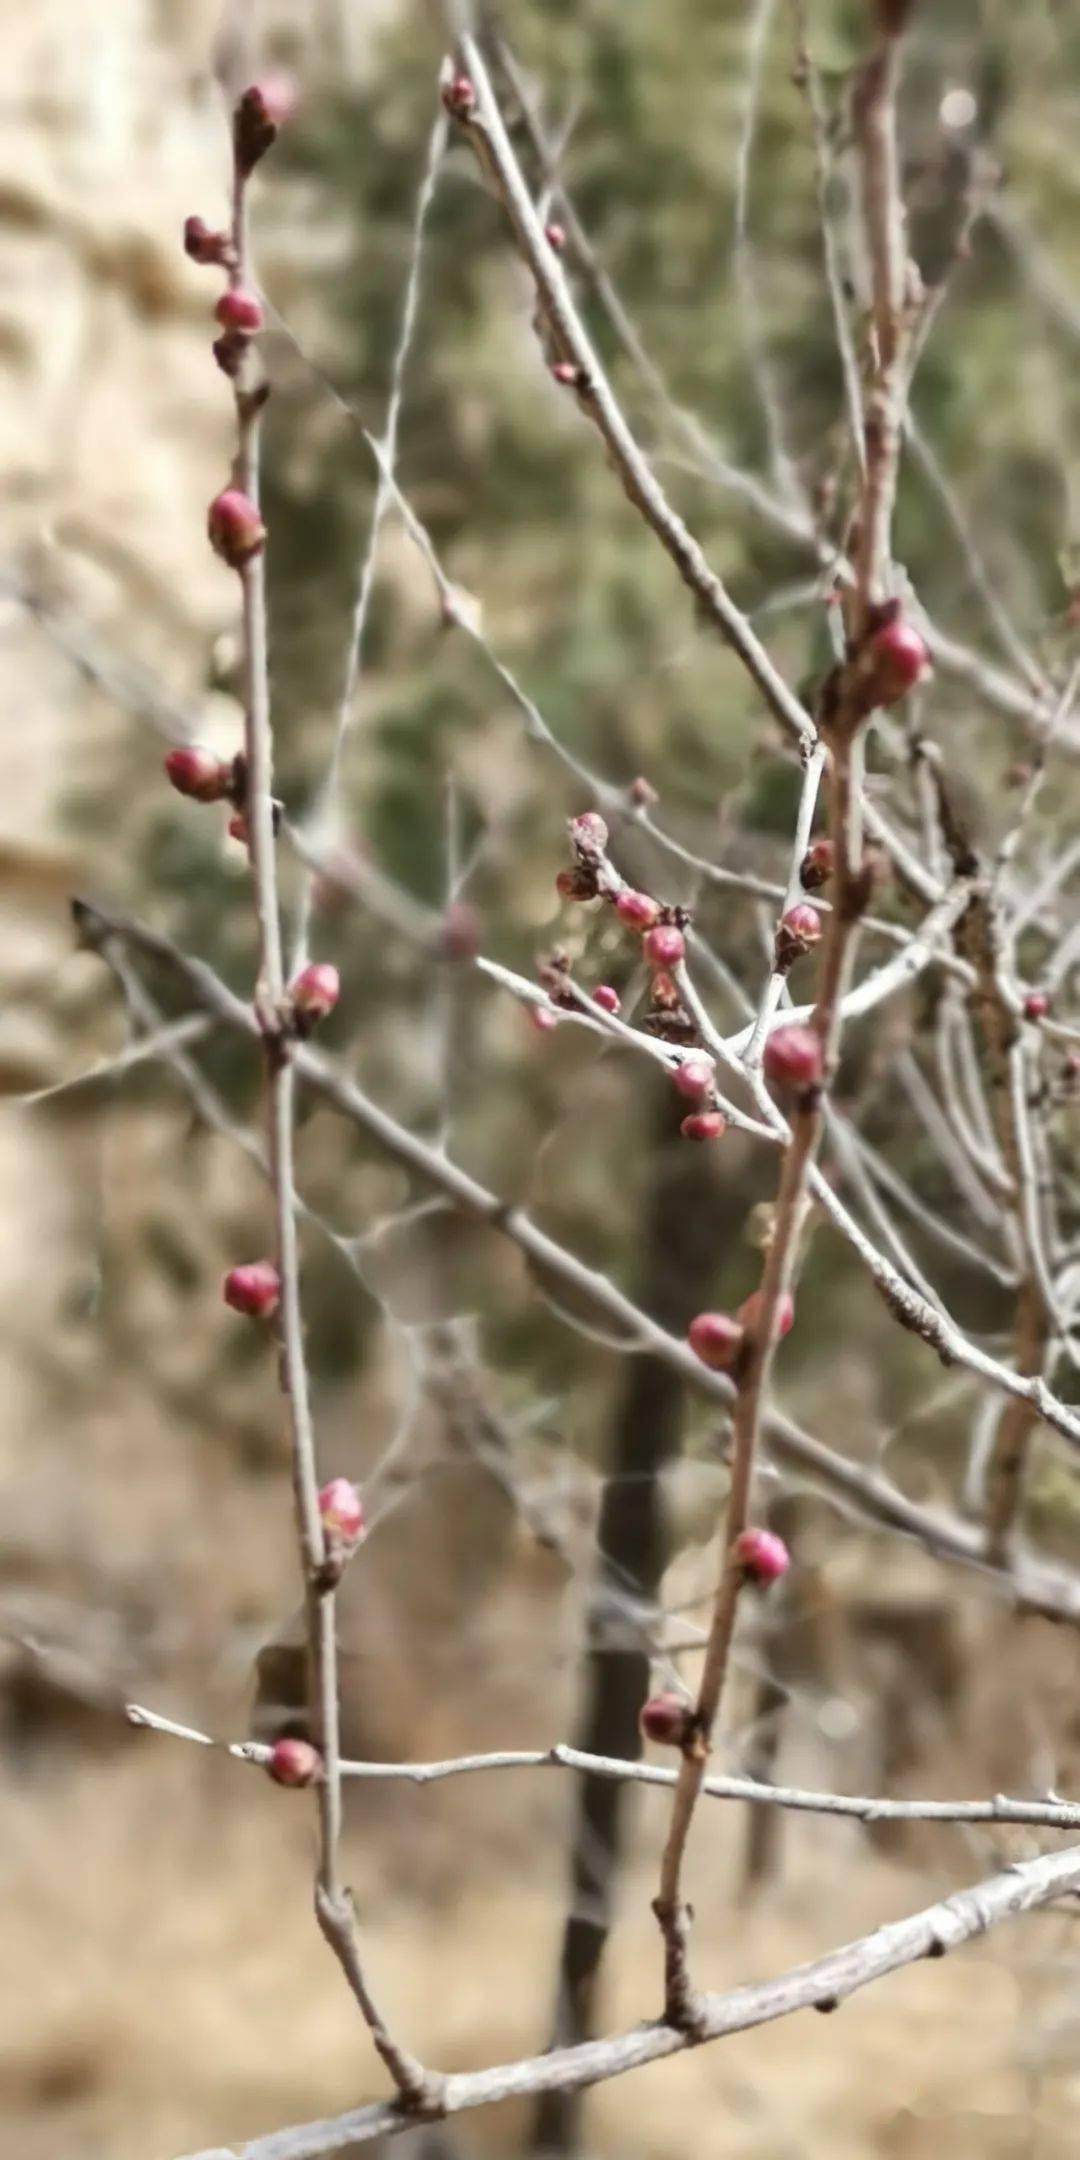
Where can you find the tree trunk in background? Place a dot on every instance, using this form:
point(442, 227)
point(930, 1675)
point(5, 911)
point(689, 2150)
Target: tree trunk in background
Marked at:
point(683, 1234)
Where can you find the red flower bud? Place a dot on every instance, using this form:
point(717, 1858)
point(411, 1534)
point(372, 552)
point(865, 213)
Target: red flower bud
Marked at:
point(793, 1057)
point(240, 310)
point(575, 885)
point(315, 992)
point(704, 1125)
point(607, 998)
point(264, 108)
point(294, 1762)
point(589, 829)
point(665, 946)
point(817, 865)
point(555, 235)
point(197, 773)
point(1036, 1005)
point(235, 529)
point(762, 1555)
point(783, 1320)
point(665, 1719)
point(459, 97)
point(897, 656)
point(239, 829)
point(797, 932)
point(253, 1289)
point(203, 244)
point(636, 909)
point(341, 1511)
point(694, 1077)
point(716, 1339)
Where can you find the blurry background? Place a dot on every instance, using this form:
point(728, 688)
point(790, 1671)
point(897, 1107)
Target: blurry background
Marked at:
point(164, 1984)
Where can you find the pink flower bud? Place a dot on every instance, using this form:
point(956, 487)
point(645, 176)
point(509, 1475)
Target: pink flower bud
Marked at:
point(294, 1762)
point(459, 97)
point(694, 1077)
point(817, 865)
point(607, 998)
point(264, 108)
point(240, 310)
point(253, 1289)
point(277, 96)
point(897, 657)
point(665, 946)
point(555, 235)
point(236, 531)
point(784, 1319)
point(762, 1555)
point(665, 1719)
point(793, 1057)
point(341, 1511)
point(542, 1019)
point(636, 909)
point(704, 1125)
point(716, 1339)
point(203, 244)
point(239, 829)
point(197, 773)
point(797, 931)
point(589, 829)
point(569, 374)
point(1036, 1005)
point(315, 992)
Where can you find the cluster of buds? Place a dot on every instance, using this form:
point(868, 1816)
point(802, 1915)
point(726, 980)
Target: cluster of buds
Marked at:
point(721, 1340)
point(259, 114)
point(794, 1059)
point(797, 932)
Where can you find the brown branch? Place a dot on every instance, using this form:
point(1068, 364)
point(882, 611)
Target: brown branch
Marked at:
point(821, 1985)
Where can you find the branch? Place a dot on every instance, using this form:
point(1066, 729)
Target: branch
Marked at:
point(821, 1985)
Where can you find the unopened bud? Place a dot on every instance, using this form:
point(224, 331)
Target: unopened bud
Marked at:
point(314, 994)
point(240, 311)
point(817, 865)
point(793, 1057)
point(762, 1556)
point(555, 235)
point(199, 774)
point(1036, 1005)
point(636, 909)
point(704, 1125)
point(294, 1762)
point(253, 1289)
point(797, 932)
point(235, 529)
point(694, 1077)
point(716, 1339)
point(459, 97)
point(665, 946)
point(341, 1511)
point(607, 998)
point(263, 109)
point(203, 244)
point(589, 830)
point(783, 1317)
point(666, 1720)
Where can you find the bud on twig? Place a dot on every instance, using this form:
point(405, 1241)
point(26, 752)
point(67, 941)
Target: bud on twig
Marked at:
point(716, 1339)
point(793, 1058)
point(636, 910)
point(342, 1513)
point(762, 1556)
point(608, 999)
point(240, 311)
point(294, 1762)
point(260, 113)
point(817, 865)
point(797, 933)
point(666, 1720)
point(783, 1318)
point(1036, 1005)
point(665, 946)
point(236, 531)
point(314, 995)
point(199, 774)
point(704, 1125)
point(253, 1289)
point(694, 1077)
point(204, 245)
